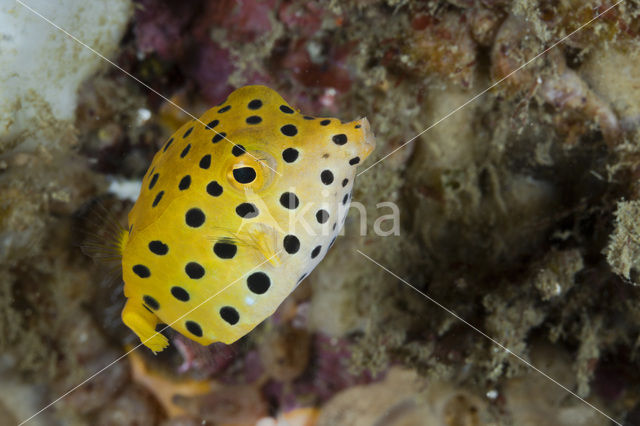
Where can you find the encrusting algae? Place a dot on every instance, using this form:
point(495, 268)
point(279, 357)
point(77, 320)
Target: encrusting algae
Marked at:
point(237, 209)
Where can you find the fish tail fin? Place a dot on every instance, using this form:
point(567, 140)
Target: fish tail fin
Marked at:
point(103, 236)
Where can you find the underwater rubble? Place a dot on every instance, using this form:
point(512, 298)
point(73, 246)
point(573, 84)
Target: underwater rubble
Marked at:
point(515, 187)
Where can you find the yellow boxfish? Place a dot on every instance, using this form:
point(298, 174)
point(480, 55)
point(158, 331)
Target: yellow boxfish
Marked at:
point(237, 208)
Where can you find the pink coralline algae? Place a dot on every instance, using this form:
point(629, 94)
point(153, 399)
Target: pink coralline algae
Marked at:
point(205, 42)
point(327, 374)
point(331, 72)
point(209, 68)
point(318, 69)
point(160, 26)
point(180, 33)
point(239, 22)
point(302, 19)
point(244, 20)
point(208, 360)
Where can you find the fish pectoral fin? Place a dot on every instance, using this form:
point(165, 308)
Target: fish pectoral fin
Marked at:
point(143, 323)
point(264, 238)
point(259, 236)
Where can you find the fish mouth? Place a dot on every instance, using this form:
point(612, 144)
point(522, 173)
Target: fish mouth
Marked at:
point(368, 142)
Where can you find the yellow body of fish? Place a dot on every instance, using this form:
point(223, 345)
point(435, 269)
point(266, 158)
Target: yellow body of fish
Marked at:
point(237, 208)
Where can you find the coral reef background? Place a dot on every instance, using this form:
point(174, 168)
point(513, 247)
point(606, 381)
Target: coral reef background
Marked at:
point(517, 212)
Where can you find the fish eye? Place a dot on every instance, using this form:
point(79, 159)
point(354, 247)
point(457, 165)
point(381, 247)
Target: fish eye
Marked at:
point(244, 174)
point(251, 170)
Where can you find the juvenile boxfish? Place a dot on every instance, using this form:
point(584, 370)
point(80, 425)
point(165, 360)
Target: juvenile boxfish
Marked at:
point(237, 208)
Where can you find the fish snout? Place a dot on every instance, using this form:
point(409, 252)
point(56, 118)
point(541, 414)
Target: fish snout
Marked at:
point(367, 143)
